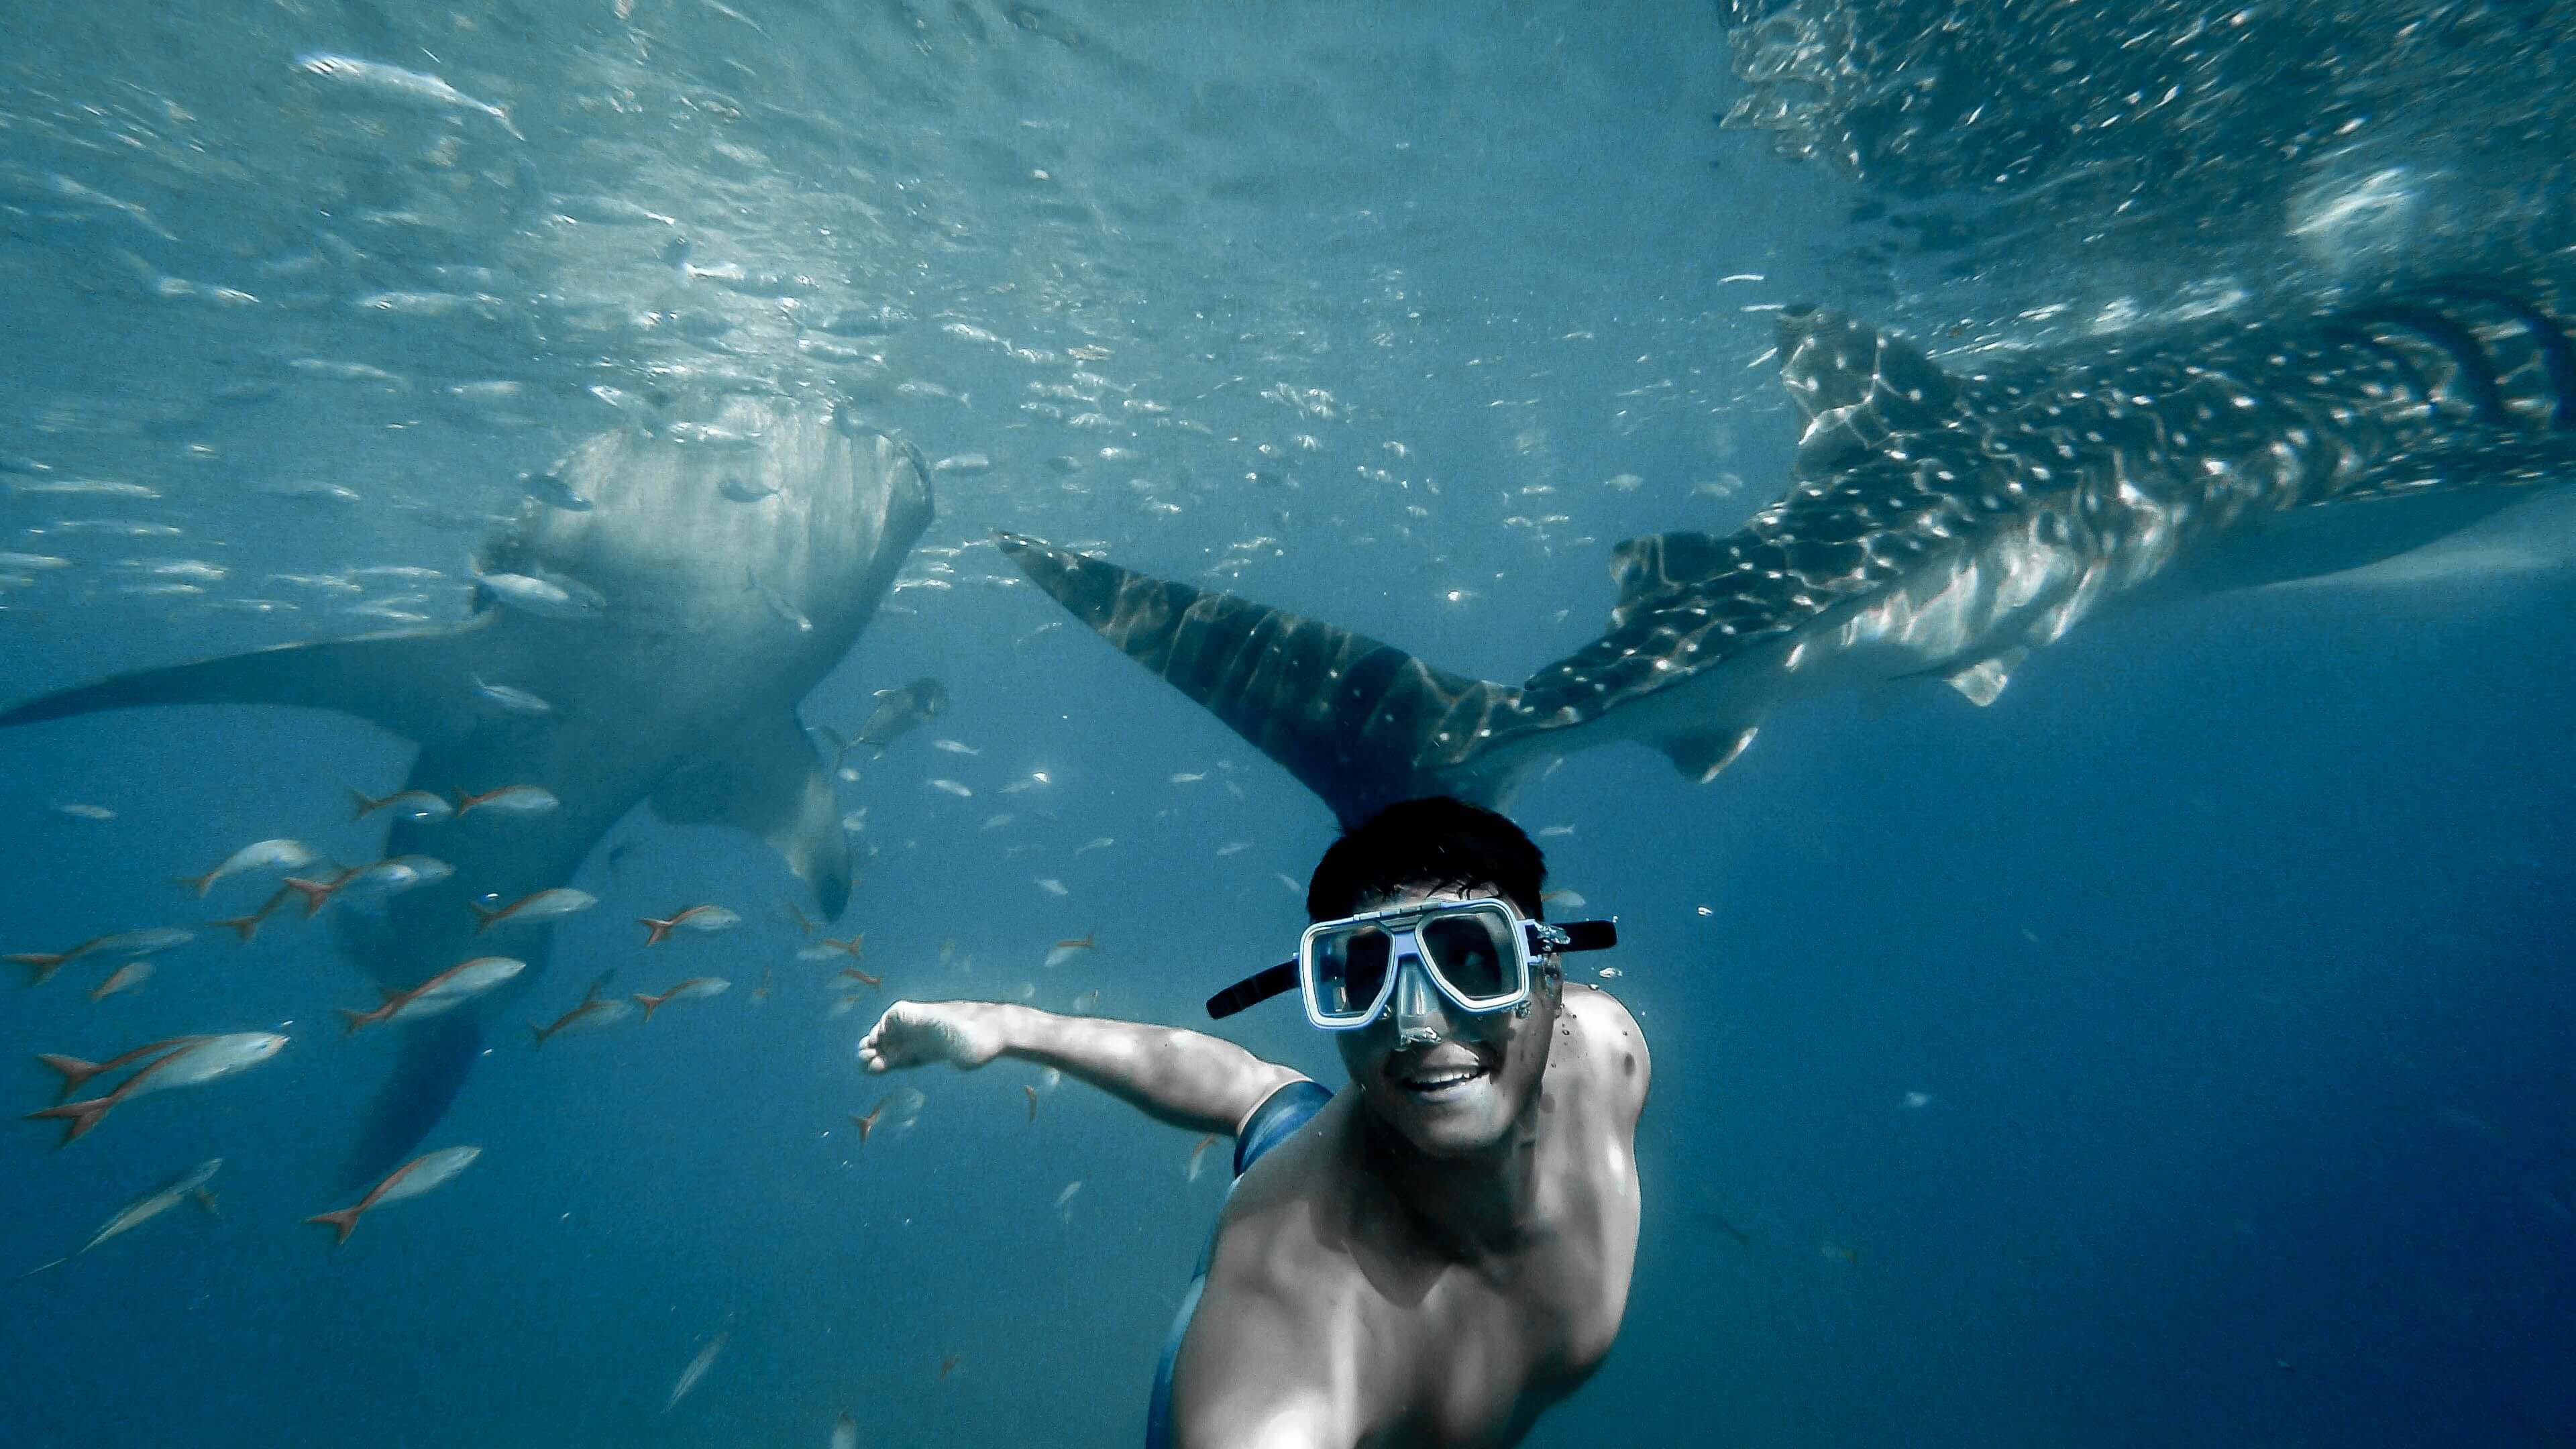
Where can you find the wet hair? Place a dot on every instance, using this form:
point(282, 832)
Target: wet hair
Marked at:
point(1435, 841)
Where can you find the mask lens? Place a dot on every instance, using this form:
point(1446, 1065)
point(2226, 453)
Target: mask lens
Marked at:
point(1472, 951)
point(1351, 968)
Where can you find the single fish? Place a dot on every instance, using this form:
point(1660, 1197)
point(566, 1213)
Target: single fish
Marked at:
point(1571, 900)
point(1198, 1156)
point(266, 855)
point(1035, 779)
point(747, 490)
point(77, 811)
point(246, 927)
point(1551, 831)
point(949, 1365)
point(845, 1432)
point(1063, 951)
point(124, 978)
point(697, 1369)
point(146, 942)
point(1064, 1200)
point(594, 1012)
point(1052, 886)
point(768, 983)
point(1086, 1003)
point(1232, 847)
point(953, 788)
point(696, 988)
point(508, 800)
point(546, 905)
point(445, 991)
point(544, 598)
point(1188, 777)
point(388, 877)
point(901, 710)
point(187, 1185)
point(413, 88)
point(420, 806)
point(896, 1109)
point(861, 977)
point(193, 1061)
point(76, 1072)
point(511, 700)
point(779, 604)
point(955, 747)
point(421, 1174)
point(696, 920)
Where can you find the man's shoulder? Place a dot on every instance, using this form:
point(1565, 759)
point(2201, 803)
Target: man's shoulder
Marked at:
point(1607, 1043)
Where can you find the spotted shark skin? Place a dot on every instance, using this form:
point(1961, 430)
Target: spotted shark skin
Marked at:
point(1937, 524)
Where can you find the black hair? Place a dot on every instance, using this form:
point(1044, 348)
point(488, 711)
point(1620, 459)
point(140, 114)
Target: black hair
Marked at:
point(1434, 840)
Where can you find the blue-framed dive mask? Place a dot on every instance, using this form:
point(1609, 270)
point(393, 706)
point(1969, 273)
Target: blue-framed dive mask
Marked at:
point(1481, 955)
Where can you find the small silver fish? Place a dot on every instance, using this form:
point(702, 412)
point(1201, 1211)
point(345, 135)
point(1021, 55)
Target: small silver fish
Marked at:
point(1097, 842)
point(542, 598)
point(697, 1369)
point(392, 82)
point(269, 855)
point(955, 747)
point(779, 604)
point(511, 700)
point(144, 1209)
point(1052, 886)
point(953, 788)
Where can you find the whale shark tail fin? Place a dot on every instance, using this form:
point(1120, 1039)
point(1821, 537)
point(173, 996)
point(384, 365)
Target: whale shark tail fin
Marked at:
point(769, 781)
point(1360, 723)
point(410, 681)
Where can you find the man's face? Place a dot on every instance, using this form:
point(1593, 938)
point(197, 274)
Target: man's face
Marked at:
point(1459, 1096)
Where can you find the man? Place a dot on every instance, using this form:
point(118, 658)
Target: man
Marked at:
point(1434, 1255)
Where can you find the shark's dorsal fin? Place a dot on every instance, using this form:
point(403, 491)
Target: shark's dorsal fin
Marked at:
point(769, 781)
point(415, 682)
point(1360, 723)
point(1855, 387)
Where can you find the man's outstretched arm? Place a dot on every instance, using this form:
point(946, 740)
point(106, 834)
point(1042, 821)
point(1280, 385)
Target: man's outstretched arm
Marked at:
point(1181, 1077)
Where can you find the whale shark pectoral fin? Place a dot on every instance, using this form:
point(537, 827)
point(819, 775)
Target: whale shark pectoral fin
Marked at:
point(1701, 756)
point(1855, 387)
point(769, 781)
point(1360, 723)
point(411, 681)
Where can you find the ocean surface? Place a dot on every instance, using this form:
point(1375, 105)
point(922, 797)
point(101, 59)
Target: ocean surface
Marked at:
point(2174, 1053)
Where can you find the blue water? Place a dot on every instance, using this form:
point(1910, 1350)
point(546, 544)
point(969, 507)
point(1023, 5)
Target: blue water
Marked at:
point(2173, 1053)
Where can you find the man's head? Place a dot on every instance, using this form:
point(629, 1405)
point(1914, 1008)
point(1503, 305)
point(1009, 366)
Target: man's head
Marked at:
point(1448, 1082)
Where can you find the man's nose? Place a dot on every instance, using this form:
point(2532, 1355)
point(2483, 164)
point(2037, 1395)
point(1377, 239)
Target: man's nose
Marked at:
point(1419, 1021)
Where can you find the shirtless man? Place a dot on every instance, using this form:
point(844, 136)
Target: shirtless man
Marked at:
point(1435, 1254)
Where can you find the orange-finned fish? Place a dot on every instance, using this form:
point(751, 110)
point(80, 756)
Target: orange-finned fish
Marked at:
point(697, 920)
point(594, 1012)
point(133, 943)
point(508, 800)
point(1062, 951)
point(445, 991)
point(545, 905)
point(861, 977)
point(258, 855)
point(906, 1103)
point(77, 1072)
point(407, 1181)
point(828, 948)
point(389, 876)
point(768, 982)
point(126, 977)
point(194, 1061)
point(696, 988)
point(949, 1364)
point(1198, 1155)
point(415, 805)
point(1033, 1102)
point(804, 923)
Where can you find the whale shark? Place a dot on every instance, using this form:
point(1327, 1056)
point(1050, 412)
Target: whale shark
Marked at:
point(701, 621)
point(1937, 524)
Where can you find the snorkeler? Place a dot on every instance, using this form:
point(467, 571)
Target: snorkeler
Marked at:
point(1433, 1256)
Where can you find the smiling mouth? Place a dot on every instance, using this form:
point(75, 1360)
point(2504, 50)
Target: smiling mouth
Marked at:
point(1441, 1082)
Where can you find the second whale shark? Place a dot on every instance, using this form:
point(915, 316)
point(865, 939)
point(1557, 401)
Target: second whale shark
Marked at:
point(1937, 524)
point(643, 634)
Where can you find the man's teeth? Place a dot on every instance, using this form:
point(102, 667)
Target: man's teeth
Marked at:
point(1446, 1077)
